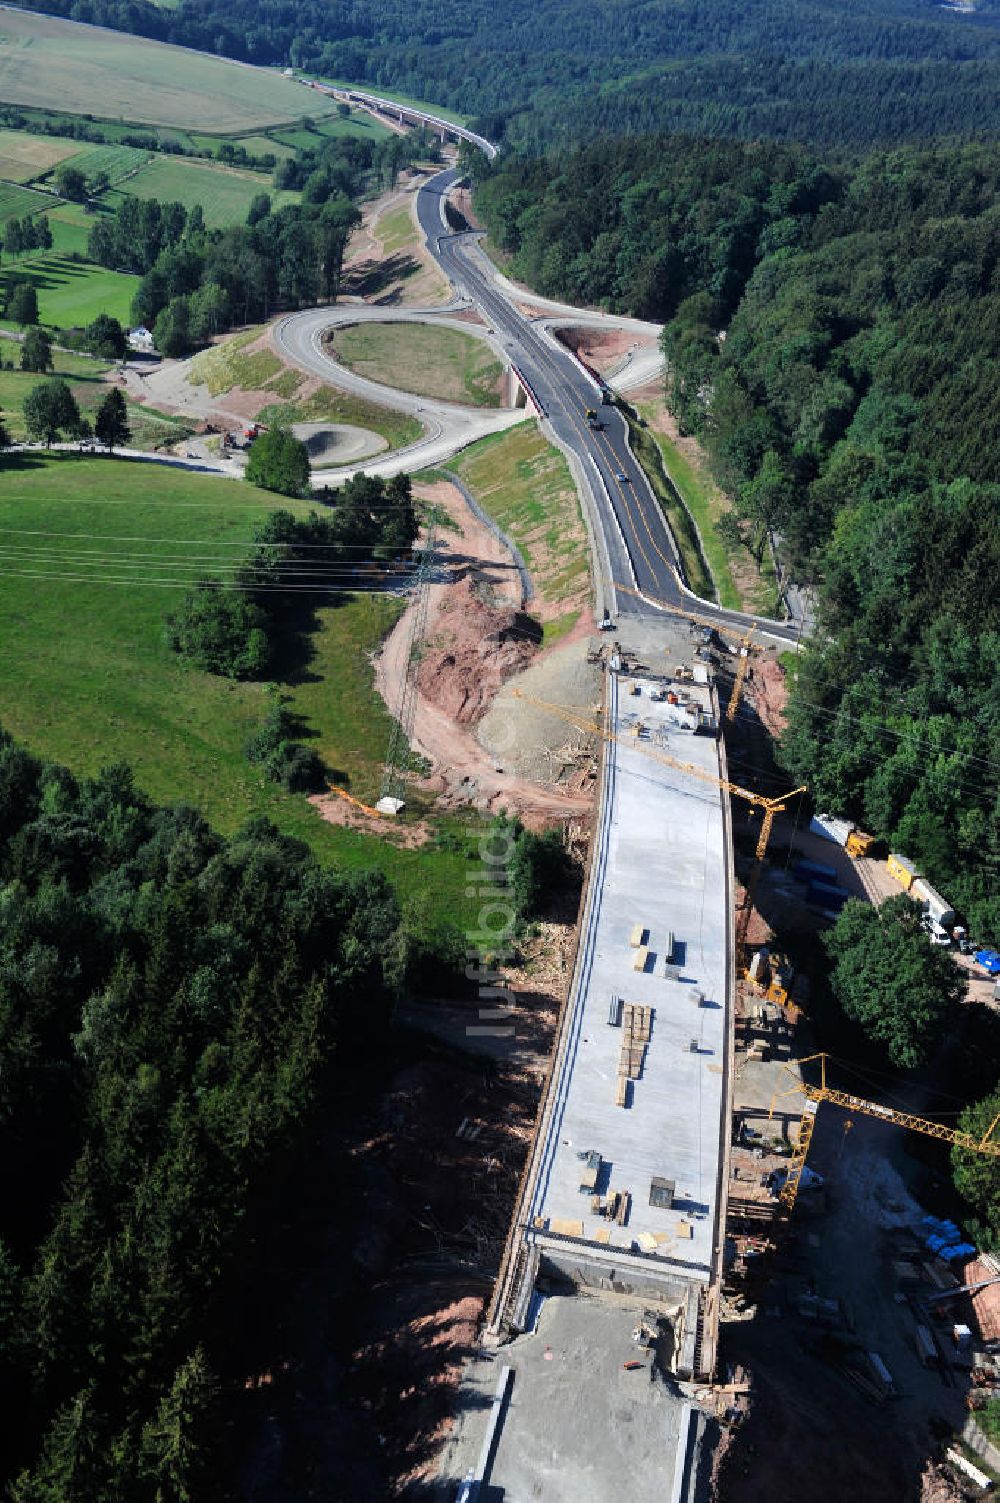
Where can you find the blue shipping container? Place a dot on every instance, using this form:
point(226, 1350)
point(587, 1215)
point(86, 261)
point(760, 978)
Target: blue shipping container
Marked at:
point(810, 869)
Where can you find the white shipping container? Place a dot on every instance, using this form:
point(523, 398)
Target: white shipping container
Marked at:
point(933, 904)
point(830, 828)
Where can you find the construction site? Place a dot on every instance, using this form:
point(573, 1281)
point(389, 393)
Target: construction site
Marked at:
point(674, 1255)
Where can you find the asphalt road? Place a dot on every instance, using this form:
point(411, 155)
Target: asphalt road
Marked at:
point(448, 426)
point(640, 547)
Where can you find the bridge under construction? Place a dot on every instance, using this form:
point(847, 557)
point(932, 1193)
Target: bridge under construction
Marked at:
point(624, 1189)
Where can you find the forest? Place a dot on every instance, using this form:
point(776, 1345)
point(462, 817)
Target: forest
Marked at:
point(175, 1007)
point(807, 70)
point(198, 282)
point(830, 335)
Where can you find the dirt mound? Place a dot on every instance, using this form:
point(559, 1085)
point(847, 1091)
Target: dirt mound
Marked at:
point(770, 694)
point(476, 648)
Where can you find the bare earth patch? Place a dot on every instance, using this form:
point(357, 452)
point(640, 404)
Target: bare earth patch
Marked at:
point(604, 350)
point(460, 674)
point(405, 273)
point(769, 693)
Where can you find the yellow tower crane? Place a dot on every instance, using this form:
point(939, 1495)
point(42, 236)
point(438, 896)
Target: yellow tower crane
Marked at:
point(585, 720)
point(816, 1094)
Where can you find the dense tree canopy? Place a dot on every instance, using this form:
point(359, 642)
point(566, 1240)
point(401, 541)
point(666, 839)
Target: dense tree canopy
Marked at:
point(977, 1175)
point(173, 1007)
point(796, 69)
point(888, 977)
point(851, 410)
point(50, 408)
point(278, 461)
point(232, 628)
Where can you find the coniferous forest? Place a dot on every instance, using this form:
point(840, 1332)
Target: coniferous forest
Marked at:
point(174, 1007)
point(811, 70)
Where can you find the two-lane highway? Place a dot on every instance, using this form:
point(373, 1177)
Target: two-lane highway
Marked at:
point(640, 547)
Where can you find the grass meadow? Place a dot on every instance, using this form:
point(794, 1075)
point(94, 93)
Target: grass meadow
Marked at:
point(526, 487)
point(431, 360)
point(72, 293)
point(225, 193)
point(93, 554)
point(112, 76)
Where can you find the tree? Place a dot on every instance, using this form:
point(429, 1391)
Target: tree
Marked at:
point(111, 423)
point(278, 461)
point(221, 631)
point(260, 208)
point(177, 1444)
point(106, 337)
point(49, 408)
point(977, 1175)
point(36, 351)
point(172, 329)
point(4, 434)
point(71, 183)
point(23, 305)
point(888, 977)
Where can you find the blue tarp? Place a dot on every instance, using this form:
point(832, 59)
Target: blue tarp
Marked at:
point(989, 960)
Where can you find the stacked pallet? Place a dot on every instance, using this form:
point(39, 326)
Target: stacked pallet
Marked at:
point(637, 1025)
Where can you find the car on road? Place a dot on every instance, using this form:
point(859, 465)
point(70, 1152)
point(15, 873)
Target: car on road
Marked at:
point(621, 476)
point(989, 961)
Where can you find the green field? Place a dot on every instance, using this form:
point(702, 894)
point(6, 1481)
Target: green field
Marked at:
point(16, 202)
point(231, 363)
point(359, 124)
point(71, 225)
point(73, 293)
point(259, 146)
point(428, 359)
point(23, 157)
point(115, 162)
point(396, 231)
point(525, 485)
point(83, 374)
point(86, 676)
point(112, 76)
point(225, 193)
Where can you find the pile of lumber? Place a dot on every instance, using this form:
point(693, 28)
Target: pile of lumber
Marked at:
point(637, 1024)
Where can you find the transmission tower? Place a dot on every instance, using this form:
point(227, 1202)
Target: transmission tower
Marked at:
point(398, 752)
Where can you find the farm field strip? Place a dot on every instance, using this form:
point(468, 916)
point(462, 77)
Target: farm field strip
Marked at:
point(115, 162)
point(15, 202)
point(224, 193)
point(114, 76)
point(24, 157)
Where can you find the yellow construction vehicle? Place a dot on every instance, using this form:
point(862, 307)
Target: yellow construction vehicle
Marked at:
point(858, 843)
point(816, 1094)
point(584, 720)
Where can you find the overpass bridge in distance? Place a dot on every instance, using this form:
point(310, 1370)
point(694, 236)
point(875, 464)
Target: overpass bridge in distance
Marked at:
point(404, 114)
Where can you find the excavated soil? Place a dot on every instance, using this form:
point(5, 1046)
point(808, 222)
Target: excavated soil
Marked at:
point(769, 693)
point(476, 649)
point(604, 350)
point(472, 646)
